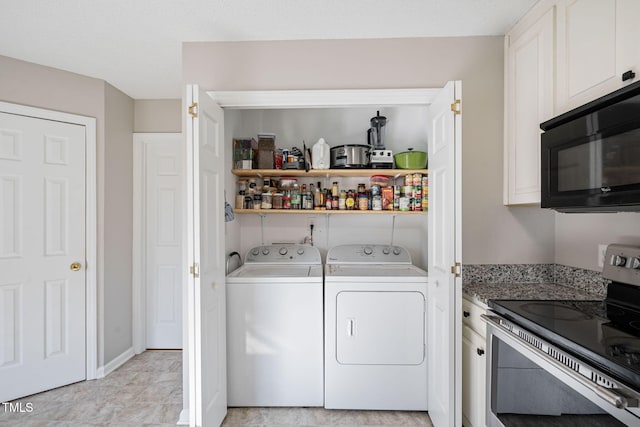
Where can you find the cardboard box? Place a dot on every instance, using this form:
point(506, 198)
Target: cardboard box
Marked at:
point(266, 150)
point(387, 198)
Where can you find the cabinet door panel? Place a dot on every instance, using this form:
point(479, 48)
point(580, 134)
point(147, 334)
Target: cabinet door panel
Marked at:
point(628, 34)
point(530, 97)
point(586, 51)
point(473, 378)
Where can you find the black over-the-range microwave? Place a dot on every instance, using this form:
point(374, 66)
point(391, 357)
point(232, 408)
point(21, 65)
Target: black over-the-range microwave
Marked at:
point(590, 156)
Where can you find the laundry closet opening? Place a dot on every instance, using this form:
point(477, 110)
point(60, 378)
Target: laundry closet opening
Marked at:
point(407, 128)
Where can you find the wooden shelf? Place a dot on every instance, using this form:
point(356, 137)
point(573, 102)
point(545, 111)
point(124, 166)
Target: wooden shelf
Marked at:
point(322, 212)
point(347, 172)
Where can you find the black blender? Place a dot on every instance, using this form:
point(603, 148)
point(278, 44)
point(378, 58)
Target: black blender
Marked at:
point(380, 157)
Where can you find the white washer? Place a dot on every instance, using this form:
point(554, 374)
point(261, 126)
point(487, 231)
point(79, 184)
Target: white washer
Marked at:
point(275, 328)
point(375, 329)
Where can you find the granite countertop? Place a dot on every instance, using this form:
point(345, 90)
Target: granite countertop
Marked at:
point(482, 292)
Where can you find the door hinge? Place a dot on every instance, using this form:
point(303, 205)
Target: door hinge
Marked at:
point(193, 110)
point(455, 107)
point(456, 269)
point(194, 270)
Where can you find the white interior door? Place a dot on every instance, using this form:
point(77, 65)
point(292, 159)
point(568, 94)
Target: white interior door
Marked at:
point(42, 255)
point(161, 211)
point(445, 289)
point(205, 248)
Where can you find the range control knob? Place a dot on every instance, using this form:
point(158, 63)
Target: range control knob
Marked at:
point(617, 260)
point(386, 250)
point(283, 251)
point(265, 251)
point(635, 263)
point(300, 251)
point(368, 250)
point(255, 251)
point(397, 251)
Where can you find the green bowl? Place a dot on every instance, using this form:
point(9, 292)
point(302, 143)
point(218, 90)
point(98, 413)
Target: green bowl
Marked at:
point(411, 159)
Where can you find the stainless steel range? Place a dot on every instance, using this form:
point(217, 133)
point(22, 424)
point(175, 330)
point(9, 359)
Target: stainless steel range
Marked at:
point(571, 363)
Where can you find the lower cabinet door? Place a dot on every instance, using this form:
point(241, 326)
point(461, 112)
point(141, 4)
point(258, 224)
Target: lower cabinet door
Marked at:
point(473, 378)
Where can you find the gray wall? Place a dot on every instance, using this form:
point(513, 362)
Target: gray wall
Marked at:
point(118, 226)
point(43, 87)
point(492, 233)
point(578, 236)
point(157, 115)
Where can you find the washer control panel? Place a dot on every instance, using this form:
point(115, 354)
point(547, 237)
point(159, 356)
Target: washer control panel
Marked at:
point(358, 254)
point(285, 253)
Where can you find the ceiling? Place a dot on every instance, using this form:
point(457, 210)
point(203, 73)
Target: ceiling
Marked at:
point(135, 45)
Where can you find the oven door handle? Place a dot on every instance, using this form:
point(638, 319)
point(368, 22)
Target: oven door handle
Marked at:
point(607, 394)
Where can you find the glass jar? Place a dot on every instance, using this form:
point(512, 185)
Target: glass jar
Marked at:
point(363, 202)
point(334, 189)
point(350, 202)
point(267, 201)
point(342, 201)
point(277, 200)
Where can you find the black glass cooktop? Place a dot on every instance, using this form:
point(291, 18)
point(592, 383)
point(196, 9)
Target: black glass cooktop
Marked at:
point(604, 333)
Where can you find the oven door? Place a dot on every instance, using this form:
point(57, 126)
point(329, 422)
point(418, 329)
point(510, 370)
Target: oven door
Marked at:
point(530, 382)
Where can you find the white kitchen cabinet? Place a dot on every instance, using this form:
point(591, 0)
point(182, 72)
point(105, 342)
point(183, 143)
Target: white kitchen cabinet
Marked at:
point(529, 100)
point(597, 43)
point(473, 364)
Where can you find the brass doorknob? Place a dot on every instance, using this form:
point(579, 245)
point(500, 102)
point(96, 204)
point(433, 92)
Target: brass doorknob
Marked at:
point(75, 266)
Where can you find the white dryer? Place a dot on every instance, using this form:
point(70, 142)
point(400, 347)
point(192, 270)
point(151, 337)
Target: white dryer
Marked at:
point(375, 329)
point(275, 328)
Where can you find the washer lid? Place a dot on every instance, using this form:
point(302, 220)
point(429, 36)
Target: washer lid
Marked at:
point(369, 271)
point(271, 271)
point(368, 254)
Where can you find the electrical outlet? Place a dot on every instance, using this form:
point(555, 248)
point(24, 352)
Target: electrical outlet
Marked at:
point(602, 249)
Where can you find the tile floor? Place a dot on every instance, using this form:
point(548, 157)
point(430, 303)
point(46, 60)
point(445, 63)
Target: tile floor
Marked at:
point(147, 391)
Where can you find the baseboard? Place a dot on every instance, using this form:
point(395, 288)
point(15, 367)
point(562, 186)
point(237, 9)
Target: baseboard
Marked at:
point(184, 418)
point(118, 361)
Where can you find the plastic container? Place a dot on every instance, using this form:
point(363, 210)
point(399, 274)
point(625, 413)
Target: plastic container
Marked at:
point(381, 180)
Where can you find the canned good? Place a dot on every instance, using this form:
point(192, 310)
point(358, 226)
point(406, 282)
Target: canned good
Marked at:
point(404, 203)
point(417, 204)
point(408, 179)
point(376, 204)
point(407, 191)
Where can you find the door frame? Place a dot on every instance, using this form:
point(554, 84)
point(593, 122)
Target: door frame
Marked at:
point(267, 99)
point(91, 224)
point(139, 297)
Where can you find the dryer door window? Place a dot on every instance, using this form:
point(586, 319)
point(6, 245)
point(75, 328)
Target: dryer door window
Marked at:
point(380, 328)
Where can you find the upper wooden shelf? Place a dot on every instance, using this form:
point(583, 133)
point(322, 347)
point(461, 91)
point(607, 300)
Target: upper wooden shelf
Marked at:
point(347, 172)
